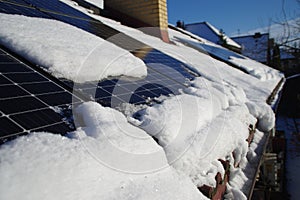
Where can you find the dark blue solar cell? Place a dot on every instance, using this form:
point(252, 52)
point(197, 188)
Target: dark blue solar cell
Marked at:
point(26, 77)
point(6, 59)
point(23, 104)
point(106, 101)
point(8, 91)
point(102, 93)
point(8, 127)
point(56, 99)
point(152, 91)
point(4, 81)
point(25, 110)
point(21, 9)
point(164, 69)
point(107, 83)
point(162, 91)
point(137, 99)
point(219, 52)
point(38, 119)
point(41, 88)
point(163, 63)
point(61, 128)
point(12, 68)
point(58, 7)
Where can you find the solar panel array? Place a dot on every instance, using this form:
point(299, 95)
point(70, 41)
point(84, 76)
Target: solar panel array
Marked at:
point(216, 52)
point(166, 75)
point(28, 100)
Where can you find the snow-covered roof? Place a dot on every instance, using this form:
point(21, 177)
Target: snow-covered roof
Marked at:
point(209, 32)
point(254, 46)
point(162, 149)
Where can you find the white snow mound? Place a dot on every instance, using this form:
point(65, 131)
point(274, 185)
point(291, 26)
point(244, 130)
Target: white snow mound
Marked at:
point(66, 51)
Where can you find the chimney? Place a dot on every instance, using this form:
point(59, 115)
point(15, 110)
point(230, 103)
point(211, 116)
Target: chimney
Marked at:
point(141, 13)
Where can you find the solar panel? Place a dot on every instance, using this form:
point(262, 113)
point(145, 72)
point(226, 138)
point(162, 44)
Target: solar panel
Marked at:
point(216, 52)
point(21, 8)
point(166, 75)
point(220, 52)
point(28, 100)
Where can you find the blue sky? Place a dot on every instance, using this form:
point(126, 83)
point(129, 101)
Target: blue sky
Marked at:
point(233, 14)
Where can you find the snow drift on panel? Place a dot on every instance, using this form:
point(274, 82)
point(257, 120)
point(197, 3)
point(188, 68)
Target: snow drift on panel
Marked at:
point(66, 51)
point(47, 166)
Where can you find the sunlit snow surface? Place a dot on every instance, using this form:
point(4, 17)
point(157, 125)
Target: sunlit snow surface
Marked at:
point(207, 121)
point(66, 51)
point(47, 166)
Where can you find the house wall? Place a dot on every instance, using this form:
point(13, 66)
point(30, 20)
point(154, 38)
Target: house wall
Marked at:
point(153, 13)
point(255, 46)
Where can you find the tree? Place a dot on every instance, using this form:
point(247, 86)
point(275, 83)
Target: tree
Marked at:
point(291, 29)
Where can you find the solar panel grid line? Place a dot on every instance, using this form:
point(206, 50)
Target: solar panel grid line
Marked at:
point(46, 79)
point(28, 72)
point(38, 118)
point(119, 43)
point(14, 90)
point(10, 8)
point(30, 95)
point(15, 97)
point(48, 125)
point(127, 42)
point(15, 123)
point(20, 105)
point(21, 86)
point(32, 5)
point(18, 126)
point(128, 38)
point(9, 68)
point(21, 109)
point(59, 102)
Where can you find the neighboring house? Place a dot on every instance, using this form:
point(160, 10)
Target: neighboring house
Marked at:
point(212, 34)
point(257, 46)
point(289, 61)
point(262, 48)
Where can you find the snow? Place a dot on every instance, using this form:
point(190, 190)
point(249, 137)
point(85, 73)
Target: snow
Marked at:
point(254, 68)
point(200, 126)
point(209, 32)
point(48, 166)
point(278, 31)
point(98, 3)
point(264, 114)
point(217, 71)
point(66, 51)
point(254, 47)
point(206, 122)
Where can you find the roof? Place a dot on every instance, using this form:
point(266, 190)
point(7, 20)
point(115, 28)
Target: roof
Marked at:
point(254, 46)
point(209, 32)
point(158, 135)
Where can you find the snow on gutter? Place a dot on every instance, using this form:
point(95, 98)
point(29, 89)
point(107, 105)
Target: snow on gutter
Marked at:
point(66, 51)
